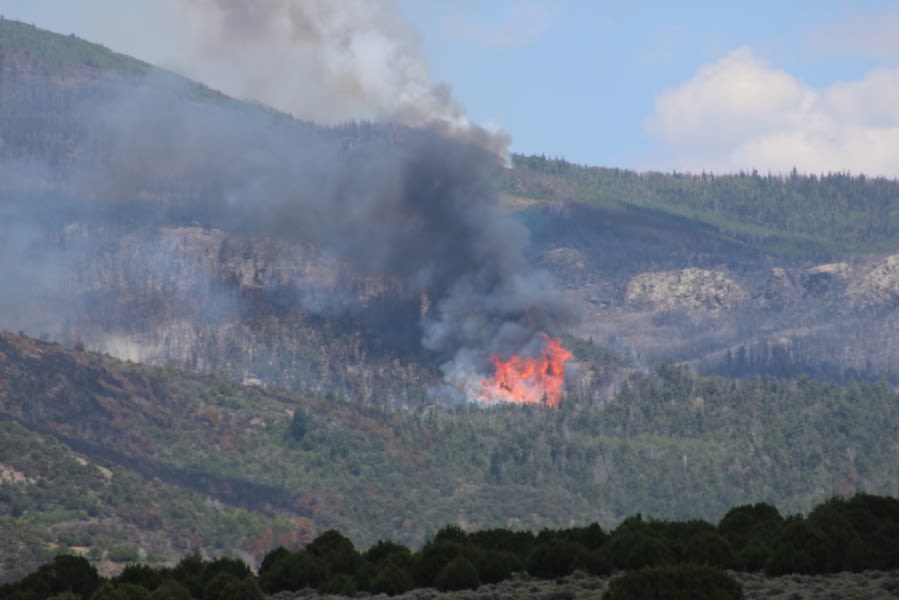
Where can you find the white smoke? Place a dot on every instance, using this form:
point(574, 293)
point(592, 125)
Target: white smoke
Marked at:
point(321, 60)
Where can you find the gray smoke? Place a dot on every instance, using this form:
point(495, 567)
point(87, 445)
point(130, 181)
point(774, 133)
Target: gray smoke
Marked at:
point(413, 203)
point(321, 60)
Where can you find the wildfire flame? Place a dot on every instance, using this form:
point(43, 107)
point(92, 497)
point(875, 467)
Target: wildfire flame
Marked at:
point(529, 380)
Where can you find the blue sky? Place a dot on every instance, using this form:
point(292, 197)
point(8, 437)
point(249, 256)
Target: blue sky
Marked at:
point(644, 85)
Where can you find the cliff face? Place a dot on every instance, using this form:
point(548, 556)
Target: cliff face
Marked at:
point(685, 289)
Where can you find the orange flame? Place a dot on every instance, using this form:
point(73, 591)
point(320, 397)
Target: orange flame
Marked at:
point(527, 380)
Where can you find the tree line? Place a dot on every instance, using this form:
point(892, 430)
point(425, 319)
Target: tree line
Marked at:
point(683, 558)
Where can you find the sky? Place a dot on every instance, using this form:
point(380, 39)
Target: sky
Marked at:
point(645, 85)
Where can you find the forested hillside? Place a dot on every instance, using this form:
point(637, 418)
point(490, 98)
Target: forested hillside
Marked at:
point(120, 240)
point(809, 215)
point(670, 443)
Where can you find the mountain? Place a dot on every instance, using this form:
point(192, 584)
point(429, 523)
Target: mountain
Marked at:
point(130, 250)
point(292, 357)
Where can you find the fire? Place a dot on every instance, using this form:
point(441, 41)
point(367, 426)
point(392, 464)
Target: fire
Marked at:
point(529, 380)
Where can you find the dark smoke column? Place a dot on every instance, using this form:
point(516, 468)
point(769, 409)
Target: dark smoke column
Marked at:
point(455, 242)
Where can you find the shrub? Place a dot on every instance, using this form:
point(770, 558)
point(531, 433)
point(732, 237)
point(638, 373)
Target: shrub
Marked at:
point(133, 592)
point(802, 548)
point(431, 561)
point(709, 548)
point(518, 542)
point(754, 555)
point(141, 575)
point(459, 574)
point(451, 533)
point(170, 590)
point(386, 549)
point(108, 591)
point(339, 584)
point(553, 559)
point(294, 571)
point(392, 580)
point(743, 523)
point(594, 562)
point(674, 582)
point(244, 589)
point(494, 566)
point(651, 552)
point(336, 550)
point(216, 585)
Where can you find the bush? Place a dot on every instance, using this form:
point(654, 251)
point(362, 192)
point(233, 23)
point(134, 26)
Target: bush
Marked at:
point(392, 580)
point(294, 571)
point(141, 575)
point(753, 556)
point(336, 550)
point(386, 549)
point(711, 549)
point(108, 591)
point(494, 566)
point(518, 542)
point(339, 584)
point(743, 523)
point(451, 533)
point(271, 558)
point(594, 562)
point(802, 548)
point(675, 582)
point(651, 552)
point(431, 561)
point(244, 589)
point(459, 574)
point(216, 585)
point(170, 590)
point(553, 559)
point(133, 592)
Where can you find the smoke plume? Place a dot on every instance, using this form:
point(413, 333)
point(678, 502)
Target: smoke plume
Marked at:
point(321, 60)
point(416, 205)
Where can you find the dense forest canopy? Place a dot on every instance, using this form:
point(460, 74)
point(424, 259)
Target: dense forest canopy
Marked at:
point(794, 213)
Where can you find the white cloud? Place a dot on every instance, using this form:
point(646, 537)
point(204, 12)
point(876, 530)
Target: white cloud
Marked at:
point(740, 114)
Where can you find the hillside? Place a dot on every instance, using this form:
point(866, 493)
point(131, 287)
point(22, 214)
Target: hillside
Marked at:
point(299, 304)
point(203, 455)
point(739, 275)
point(136, 249)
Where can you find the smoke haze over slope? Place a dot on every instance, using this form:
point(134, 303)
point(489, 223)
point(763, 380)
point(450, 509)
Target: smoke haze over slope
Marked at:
point(414, 205)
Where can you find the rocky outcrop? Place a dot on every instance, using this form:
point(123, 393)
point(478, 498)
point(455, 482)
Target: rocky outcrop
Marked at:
point(779, 291)
point(824, 279)
point(877, 286)
point(685, 289)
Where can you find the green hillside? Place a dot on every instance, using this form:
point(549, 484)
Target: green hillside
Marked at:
point(794, 215)
point(58, 53)
point(672, 444)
